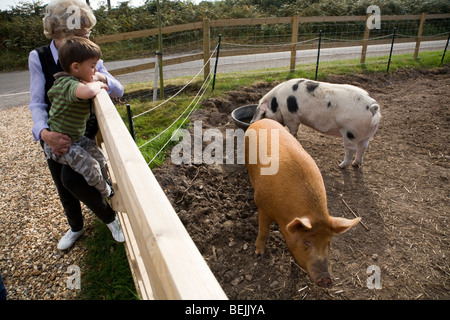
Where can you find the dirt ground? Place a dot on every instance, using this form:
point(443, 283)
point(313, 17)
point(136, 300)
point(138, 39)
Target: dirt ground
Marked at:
point(401, 192)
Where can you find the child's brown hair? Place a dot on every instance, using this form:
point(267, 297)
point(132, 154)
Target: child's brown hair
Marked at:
point(77, 49)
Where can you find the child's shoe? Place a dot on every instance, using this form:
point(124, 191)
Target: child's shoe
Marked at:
point(111, 194)
point(116, 230)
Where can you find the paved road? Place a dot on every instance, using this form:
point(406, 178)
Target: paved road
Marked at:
point(15, 86)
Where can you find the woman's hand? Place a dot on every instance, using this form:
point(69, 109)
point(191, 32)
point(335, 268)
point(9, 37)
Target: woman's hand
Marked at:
point(59, 142)
point(99, 77)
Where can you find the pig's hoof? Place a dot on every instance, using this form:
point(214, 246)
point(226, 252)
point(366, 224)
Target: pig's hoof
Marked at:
point(324, 282)
point(356, 164)
point(343, 165)
point(259, 252)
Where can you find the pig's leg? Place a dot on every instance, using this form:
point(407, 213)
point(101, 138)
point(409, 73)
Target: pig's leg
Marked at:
point(349, 152)
point(292, 126)
point(361, 148)
point(264, 223)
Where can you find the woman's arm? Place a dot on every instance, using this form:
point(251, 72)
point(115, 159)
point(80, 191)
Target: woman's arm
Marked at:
point(115, 88)
point(57, 141)
point(37, 106)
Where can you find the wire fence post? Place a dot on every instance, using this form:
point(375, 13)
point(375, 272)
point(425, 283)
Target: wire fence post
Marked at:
point(215, 64)
point(155, 82)
point(130, 122)
point(392, 47)
point(159, 54)
point(294, 41)
point(206, 47)
point(445, 50)
point(365, 41)
point(419, 35)
point(318, 53)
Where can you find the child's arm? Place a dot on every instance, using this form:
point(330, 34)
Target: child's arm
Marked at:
point(88, 90)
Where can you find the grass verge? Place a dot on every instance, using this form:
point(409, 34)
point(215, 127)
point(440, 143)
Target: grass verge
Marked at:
point(106, 272)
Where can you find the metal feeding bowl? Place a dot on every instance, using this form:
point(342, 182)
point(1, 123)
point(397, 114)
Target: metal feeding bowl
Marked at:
point(243, 115)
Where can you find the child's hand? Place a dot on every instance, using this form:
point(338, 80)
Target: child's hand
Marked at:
point(103, 85)
point(88, 90)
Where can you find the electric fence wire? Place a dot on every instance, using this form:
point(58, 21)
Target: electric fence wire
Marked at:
point(268, 45)
point(187, 108)
point(159, 134)
point(185, 119)
point(311, 40)
point(195, 99)
point(179, 91)
point(357, 40)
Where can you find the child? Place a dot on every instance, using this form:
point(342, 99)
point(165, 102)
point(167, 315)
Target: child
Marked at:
point(71, 109)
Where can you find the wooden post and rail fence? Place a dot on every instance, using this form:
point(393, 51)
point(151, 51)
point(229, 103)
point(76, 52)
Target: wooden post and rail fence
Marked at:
point(297, 20)
point(163, 258)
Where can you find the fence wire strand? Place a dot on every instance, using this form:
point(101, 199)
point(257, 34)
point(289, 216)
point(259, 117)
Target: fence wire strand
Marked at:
point(190, 107)
point(184, 120)
point(179, 91)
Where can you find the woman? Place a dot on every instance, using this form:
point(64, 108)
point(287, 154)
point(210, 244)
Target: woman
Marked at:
point(66, 18)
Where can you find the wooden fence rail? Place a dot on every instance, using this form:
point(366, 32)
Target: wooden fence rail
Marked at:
point(207, 24)
point(164, 260)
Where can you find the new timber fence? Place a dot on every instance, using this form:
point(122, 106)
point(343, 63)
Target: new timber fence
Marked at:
point(290, 34)
point(164, 260)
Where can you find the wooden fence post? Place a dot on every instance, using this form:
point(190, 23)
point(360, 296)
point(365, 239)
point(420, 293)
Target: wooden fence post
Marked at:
point(206, 47)
point(419, 35)
point(365, 40)
point(294, 42)
point(159, 54)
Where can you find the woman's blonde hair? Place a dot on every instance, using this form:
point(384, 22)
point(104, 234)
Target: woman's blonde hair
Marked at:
point(64, 17)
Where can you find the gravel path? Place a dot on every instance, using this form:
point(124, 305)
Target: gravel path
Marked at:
point(31, 217)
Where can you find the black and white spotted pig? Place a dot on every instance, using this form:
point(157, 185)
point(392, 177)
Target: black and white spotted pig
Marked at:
point(335, 109)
